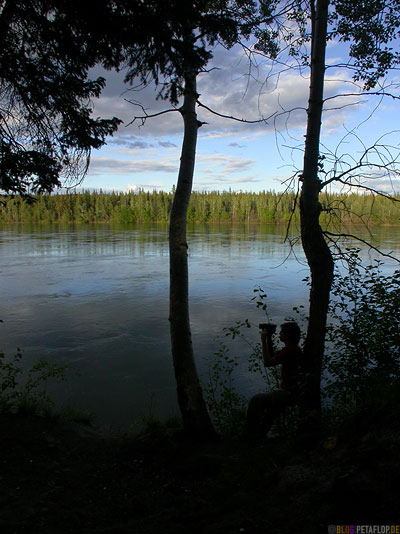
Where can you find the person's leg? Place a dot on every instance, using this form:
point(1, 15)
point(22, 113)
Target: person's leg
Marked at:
point(262, 411)
point(258, 405)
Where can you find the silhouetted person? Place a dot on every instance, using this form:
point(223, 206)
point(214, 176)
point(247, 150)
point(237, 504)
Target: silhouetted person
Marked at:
point(264, 408)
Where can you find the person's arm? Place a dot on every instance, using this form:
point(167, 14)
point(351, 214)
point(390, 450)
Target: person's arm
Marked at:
point(267, 349)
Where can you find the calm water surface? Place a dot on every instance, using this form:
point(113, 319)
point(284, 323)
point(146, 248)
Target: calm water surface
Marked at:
point(96, 298)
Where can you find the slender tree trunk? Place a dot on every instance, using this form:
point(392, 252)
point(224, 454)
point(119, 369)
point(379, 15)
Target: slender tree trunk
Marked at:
point(317, 252)
point(196, 419)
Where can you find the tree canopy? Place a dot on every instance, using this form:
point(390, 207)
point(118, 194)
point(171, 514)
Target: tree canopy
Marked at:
point(371, 27)
point(181, 37)
point(46, 50)
point(46, 127)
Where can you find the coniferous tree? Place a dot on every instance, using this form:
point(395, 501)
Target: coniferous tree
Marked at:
point(46, 128)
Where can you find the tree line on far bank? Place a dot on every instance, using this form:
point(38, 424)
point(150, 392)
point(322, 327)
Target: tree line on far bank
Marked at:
point(227, 206)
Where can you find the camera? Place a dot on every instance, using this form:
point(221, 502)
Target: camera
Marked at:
point(270, 328)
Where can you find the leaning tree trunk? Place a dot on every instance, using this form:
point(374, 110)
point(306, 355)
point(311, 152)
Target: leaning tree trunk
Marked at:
point(317, 252)
point(196, 419)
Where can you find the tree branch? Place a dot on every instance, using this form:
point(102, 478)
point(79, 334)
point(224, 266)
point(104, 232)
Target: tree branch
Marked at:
point(387, 159)
point(331, 235)
point(231, 117)
point(365, 187)
point(364, 93)
point(146, 115)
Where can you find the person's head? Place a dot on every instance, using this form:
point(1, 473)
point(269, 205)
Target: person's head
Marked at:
point(290, 333)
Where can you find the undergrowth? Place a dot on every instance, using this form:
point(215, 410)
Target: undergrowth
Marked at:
point(24, 391)
point(361, 362)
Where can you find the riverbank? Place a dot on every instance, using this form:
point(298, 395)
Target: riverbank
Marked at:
point(60, 477)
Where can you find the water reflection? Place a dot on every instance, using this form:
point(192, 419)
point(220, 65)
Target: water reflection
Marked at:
point(96, 298)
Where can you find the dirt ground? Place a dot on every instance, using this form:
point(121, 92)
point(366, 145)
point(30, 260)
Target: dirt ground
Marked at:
point(61, 477)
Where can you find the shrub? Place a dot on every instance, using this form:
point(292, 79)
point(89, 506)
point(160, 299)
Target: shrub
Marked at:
point(25, 392)
point(364, 334)
point(227, 405)
point(362, 359)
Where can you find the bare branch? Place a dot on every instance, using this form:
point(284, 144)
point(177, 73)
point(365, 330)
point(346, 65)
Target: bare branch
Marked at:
point(290, 181)
point(146, 115)
point(343, 106)
point(331, 237)
point(231, 117)
point(336, 206)
point(211, 69)
point(364, 93)
point(365, 188)
point(379, 160)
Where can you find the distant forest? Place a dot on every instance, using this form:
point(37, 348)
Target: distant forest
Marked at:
point(264, 207)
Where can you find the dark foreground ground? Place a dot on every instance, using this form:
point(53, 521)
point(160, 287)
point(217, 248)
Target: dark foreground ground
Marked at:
point(66, 478)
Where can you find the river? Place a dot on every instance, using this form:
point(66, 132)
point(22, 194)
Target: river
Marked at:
point(95, 297)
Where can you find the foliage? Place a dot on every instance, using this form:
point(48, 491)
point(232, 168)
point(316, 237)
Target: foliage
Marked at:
point(171, 40)
point(226, 403)
point(364, 335)
point(362, 358)
point(372, 27)
point(22, 391)
point(151, 426)
point(264, 207)
point(47, 48)
point(46, 128)
point(73, 413)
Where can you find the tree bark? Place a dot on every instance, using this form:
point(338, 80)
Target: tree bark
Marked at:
point(317, 252)
point(196, 419)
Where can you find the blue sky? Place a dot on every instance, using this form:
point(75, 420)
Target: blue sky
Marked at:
point(232, 155)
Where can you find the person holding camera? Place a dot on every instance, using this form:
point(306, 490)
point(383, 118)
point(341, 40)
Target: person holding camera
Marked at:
point(264, 408)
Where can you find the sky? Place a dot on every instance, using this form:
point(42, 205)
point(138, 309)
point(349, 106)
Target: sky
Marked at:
point(234, 155)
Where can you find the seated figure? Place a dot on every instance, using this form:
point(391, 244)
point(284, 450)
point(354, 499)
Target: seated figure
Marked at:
point(264, 408)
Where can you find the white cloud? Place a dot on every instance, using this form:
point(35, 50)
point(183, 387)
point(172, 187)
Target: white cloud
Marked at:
point(236, 145)
point(134, 188)
point(116, 166)
point(234, 91)
point(216, 167)
point(231, 89)
point(167, 144)
point(129, 141)
point(223, 163)
point(133, 142)
point(217, 181)
point(387, 185)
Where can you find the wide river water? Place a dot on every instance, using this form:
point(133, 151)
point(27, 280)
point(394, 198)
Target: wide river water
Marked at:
point(95, 298)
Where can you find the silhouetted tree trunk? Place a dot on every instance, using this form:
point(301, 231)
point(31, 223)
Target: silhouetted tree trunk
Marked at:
point(317, 252)
point(195, 416)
